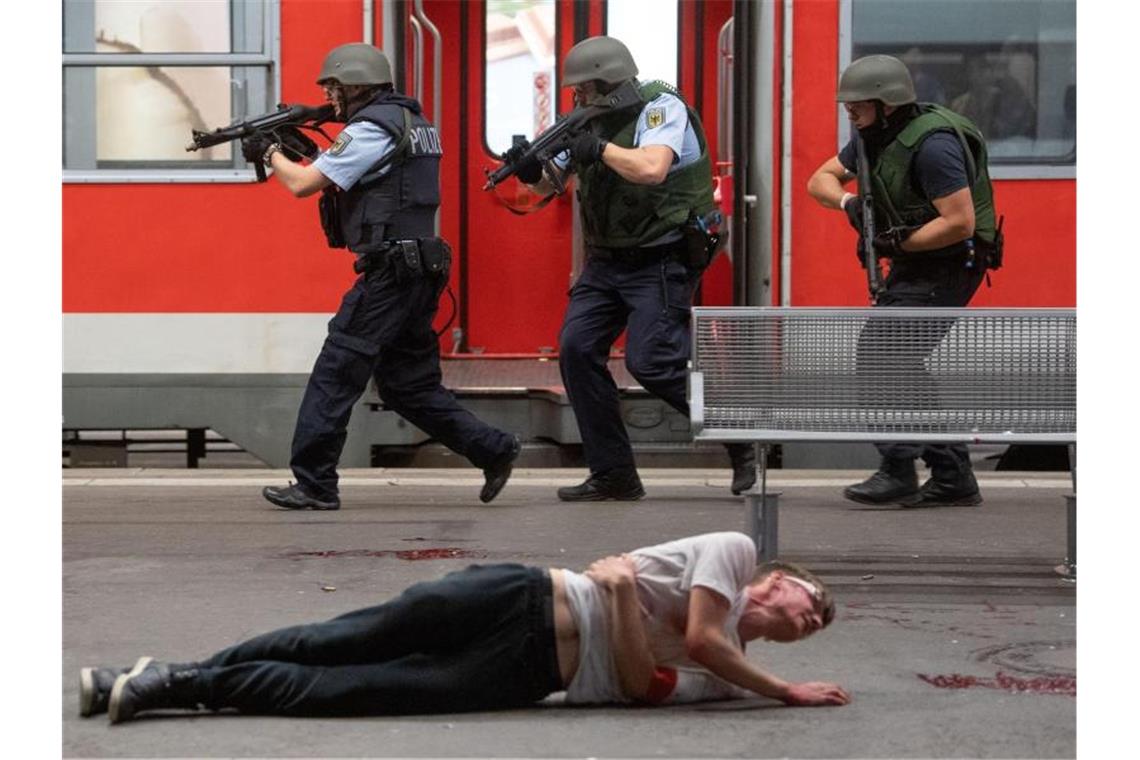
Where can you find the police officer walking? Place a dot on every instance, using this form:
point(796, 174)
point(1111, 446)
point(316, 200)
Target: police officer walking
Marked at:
point(645, 190)
point(934, 213)
point(380, 190)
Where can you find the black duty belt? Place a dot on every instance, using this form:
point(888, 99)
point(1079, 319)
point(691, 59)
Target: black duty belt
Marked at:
point(416, 255)
point(639, 256)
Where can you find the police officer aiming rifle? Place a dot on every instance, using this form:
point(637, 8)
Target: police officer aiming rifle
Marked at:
point(644, 183)
point(379, 185)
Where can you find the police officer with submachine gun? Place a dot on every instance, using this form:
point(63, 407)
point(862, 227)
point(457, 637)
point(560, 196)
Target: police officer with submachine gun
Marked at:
point(379, 185)
point(924, 204)
point(644, 183)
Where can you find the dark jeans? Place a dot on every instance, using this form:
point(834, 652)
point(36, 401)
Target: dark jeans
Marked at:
point(383, 330)
point(947, 284)
point(652, 300)
point(477, 639)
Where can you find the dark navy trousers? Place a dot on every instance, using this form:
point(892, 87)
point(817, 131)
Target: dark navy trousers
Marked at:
point(651, 300)
point(383, 331)
point(477, 639)
point(946, 283)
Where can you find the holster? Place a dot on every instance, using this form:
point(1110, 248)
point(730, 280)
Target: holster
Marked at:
point(330, 218)
point(702, 239)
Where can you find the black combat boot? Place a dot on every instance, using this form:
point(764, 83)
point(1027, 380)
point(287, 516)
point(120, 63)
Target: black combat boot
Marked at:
point(496, 476)
point(619, 485)
point(953, 489)
point(743, 456)
point(294, 497)
point(95, 686)
point(896, 479)
point(158, 686)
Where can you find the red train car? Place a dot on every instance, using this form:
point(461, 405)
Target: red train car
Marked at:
point(196, 298)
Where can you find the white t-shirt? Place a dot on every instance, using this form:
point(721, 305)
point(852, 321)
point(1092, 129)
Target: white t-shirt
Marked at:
point(723, 562)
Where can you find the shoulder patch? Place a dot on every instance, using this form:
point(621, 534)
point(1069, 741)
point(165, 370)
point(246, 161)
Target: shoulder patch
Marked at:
point(342, 141)
point(655, 117)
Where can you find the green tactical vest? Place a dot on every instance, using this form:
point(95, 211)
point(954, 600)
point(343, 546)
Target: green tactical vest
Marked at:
point(617, 213)
point(898, 202)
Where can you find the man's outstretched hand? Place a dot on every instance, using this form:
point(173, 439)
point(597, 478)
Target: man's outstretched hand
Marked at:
point(816, 693)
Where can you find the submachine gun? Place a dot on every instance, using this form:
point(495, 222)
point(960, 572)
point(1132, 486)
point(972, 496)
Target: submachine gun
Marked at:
point(295, 117)
point(558, 137)
point(867, 205)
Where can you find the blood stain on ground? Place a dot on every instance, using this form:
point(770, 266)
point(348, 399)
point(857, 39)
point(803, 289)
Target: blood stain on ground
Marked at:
point(1065, 685)
point(445, 552)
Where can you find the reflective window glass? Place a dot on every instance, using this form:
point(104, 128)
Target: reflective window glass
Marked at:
point(649, 30)
point(148, 26)
point(520, 77)
point(1008, 65)
point(140, 75)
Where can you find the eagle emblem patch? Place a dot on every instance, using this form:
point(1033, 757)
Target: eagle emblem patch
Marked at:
point(342, 141)
point(655, 117)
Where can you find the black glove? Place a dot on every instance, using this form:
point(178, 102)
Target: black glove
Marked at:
point(587, 148)
point(889, 244)
point(254, 146)
point(528, 171)
point(854, 210)
point(295, 143)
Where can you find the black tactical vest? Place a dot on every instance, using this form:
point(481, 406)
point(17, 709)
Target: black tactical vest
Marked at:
point(401, 203)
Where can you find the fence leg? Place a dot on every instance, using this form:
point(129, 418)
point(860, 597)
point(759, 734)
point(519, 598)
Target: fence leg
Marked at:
point(1069, 569)
point(763, 513)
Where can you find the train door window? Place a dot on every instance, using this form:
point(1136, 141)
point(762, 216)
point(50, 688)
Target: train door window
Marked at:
point(520, 78)
point(652, 40)
point(1008, 65)
point(138, 75)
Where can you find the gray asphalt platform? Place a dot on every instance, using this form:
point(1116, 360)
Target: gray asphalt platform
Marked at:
point(955, 635)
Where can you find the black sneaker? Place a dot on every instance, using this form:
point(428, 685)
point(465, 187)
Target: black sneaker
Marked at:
point(497, 475)
point(95, 686)
point(155, 686)
point(293, 496)
point(882, 488)
point(616, 485)
point(960, 492)
point(743, 456)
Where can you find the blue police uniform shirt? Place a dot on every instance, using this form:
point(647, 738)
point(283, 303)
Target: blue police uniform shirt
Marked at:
point(672, 129)
point(358, 148)
point(939, 166)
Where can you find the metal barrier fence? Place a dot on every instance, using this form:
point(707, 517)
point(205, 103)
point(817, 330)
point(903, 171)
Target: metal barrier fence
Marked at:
point(769, 375)
point(899, 374)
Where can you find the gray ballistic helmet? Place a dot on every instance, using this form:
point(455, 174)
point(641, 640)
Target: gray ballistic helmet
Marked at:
point(602, 58)
point(876, 77)
point(356, 63)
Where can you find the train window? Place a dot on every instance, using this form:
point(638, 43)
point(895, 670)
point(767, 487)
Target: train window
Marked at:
point(138, 75)
point(1008, 65)
point(520, 79)
point(653, 44)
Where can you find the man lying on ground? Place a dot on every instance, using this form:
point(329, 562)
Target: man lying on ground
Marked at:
point(664, 624)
